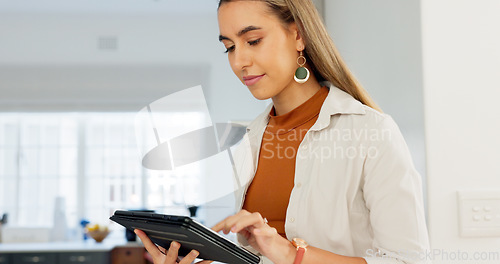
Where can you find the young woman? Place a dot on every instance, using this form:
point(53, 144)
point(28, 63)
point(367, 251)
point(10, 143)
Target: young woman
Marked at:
point(332, 180)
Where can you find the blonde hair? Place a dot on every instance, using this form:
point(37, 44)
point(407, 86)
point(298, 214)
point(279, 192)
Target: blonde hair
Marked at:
point(320, 51)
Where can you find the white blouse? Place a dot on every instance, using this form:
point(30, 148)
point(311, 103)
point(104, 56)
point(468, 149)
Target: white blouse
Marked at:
point(357, 192)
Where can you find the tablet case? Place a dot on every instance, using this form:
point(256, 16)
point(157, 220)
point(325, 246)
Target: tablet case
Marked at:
point(163, 229)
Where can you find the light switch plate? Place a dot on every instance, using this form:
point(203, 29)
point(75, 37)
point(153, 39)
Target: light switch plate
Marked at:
point(479, 213)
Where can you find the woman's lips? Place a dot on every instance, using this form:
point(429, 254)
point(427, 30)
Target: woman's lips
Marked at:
point(252, 79)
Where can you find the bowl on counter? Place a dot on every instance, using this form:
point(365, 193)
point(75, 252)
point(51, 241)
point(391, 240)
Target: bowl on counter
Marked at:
point(97, 232)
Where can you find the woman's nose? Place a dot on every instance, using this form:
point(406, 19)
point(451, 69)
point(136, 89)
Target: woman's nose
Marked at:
point(242, 59)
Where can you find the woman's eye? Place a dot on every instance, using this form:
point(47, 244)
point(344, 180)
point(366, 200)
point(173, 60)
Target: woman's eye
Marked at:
point(251, 43)
point(229, 49)
point(254, 42)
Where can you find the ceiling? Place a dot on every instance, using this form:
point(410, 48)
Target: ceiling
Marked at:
point(134, 7)
point(108, 6)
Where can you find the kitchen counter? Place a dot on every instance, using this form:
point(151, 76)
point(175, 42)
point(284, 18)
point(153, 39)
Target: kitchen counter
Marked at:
point(80, 246)
point(84, 252)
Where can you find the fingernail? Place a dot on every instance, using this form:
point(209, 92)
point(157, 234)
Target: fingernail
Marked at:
point(174, 245)
point(194, 253)
point(233, 229)
point(257, 231)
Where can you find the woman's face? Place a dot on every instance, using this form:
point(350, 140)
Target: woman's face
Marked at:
point(261, 51)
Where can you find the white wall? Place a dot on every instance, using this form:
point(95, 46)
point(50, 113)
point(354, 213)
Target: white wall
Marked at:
point(380, 42)
point(443, 55)
point(461, 59)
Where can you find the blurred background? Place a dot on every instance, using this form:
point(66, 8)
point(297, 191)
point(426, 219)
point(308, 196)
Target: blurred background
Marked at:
point(73, 75)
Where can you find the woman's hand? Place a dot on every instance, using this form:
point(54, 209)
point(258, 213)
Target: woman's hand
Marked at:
point(259, 235)
point(170, 256)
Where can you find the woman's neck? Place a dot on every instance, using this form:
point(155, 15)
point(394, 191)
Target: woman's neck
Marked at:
point(294, 95)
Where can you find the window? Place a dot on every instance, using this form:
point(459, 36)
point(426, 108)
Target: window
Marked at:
point(89, 159)
point(38, 157)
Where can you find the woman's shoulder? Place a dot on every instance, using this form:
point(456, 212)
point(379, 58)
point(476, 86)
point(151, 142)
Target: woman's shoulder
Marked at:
point(352, 112)
point(375, 117)
point(371, 122)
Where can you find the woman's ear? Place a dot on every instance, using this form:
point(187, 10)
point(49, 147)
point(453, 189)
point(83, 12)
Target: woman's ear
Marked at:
point(294, 30)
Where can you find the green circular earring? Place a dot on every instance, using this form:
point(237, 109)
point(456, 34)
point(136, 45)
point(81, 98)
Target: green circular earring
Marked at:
point(302, 73)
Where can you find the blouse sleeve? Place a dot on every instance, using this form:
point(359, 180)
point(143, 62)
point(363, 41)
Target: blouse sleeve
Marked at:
point(392, 191)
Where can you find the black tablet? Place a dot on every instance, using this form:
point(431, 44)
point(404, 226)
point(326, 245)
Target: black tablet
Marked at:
point(163, 229)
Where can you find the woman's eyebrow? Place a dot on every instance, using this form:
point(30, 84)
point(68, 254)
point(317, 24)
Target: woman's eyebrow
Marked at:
point(241, 32)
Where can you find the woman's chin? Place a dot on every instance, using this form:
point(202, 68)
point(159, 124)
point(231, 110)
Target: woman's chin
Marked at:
point(260, 95)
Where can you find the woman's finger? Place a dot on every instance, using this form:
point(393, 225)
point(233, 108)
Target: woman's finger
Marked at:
point(173, 252)
point(253, 220)
point(189, 258)
point(219, 226)
point(162, 250)
point(148, 244)
point(226, 224)
point(265, 231)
